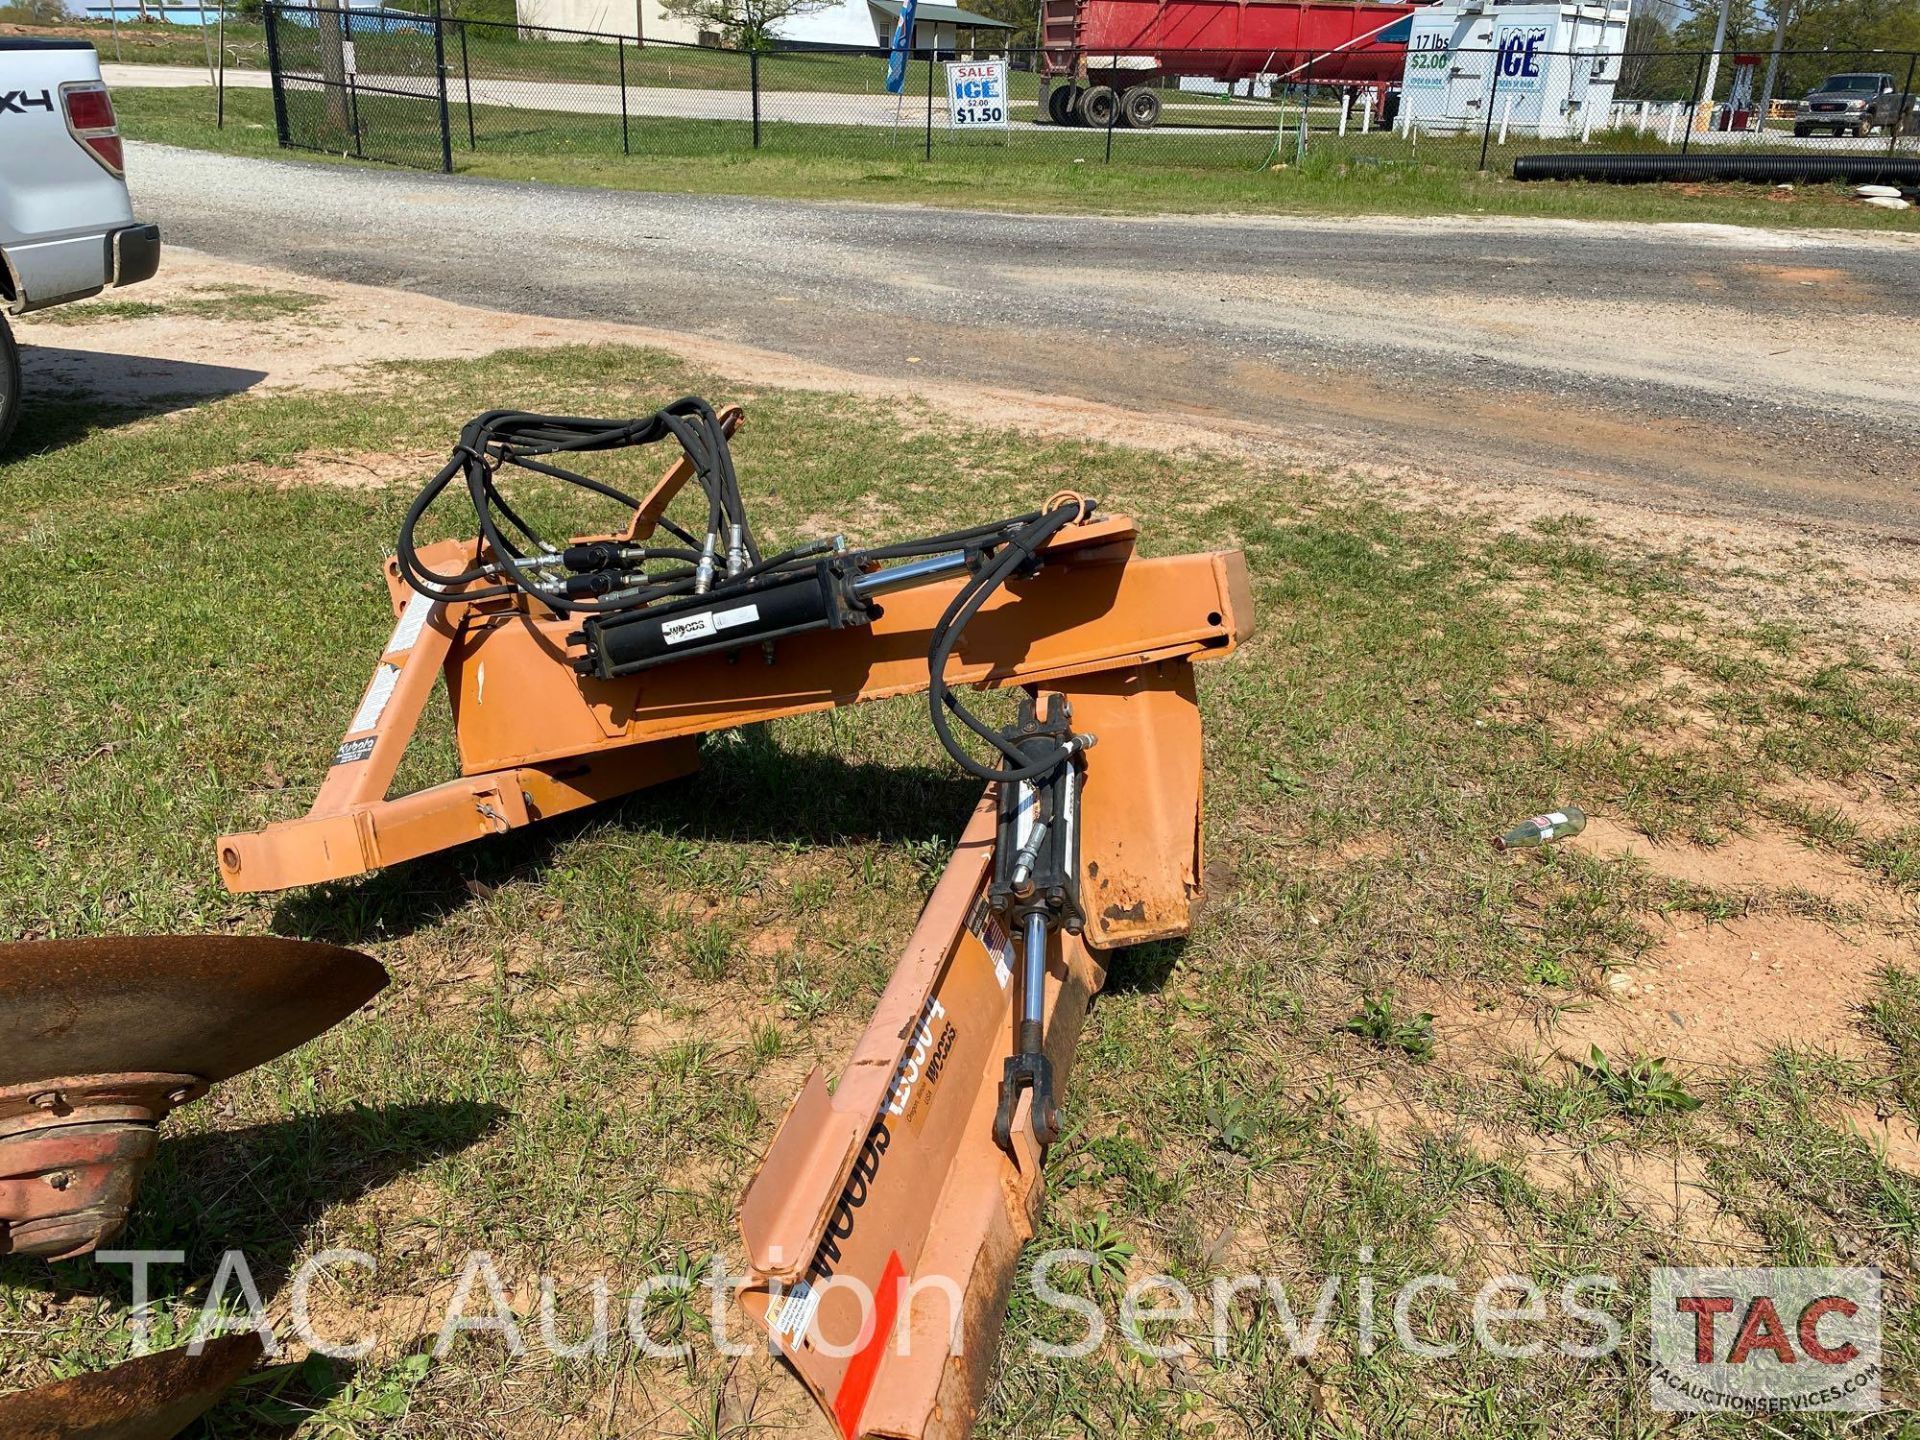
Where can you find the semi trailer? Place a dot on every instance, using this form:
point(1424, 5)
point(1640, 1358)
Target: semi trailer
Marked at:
point(1101, 61)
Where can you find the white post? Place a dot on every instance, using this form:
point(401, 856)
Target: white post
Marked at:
point(206, 39)
point(1673, 119)
point(1366, 112)
point(1713, 66)
point(1586, 127)
point(1506, 114)
point(1346, 109)
point(1782, 19)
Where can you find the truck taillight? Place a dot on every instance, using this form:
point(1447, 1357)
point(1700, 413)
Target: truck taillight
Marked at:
point(90, 120)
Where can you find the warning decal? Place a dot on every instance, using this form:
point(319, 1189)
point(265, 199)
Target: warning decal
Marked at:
point(375, 703)
point(988, 930)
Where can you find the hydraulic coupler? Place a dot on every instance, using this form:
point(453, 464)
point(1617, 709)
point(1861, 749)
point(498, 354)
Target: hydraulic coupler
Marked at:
point(1036, 890)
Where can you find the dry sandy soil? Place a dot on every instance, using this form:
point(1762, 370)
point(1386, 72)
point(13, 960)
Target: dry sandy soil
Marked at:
point(154, 357)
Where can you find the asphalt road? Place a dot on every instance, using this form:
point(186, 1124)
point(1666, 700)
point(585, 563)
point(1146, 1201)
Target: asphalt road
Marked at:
point(1688, 367)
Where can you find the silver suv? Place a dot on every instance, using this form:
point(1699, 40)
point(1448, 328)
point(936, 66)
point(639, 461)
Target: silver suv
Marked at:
point(1855, 104)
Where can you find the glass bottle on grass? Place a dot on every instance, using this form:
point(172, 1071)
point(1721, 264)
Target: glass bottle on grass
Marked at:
point(1544, 829)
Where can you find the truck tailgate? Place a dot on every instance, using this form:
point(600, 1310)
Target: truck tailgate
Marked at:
point(58, 202)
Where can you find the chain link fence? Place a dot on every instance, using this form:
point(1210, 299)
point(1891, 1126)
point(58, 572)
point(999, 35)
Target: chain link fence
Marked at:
point(365, 83)
point(426, 91)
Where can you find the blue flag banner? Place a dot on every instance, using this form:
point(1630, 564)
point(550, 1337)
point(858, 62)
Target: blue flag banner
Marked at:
point(902, 43)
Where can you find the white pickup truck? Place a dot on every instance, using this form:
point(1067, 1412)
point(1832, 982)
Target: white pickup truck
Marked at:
point(66, 222)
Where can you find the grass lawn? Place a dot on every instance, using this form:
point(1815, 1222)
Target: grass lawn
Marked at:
point(1055, 170)
point(596, 1023)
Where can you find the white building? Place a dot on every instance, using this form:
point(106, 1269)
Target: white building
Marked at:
point(946, 28)
point(635, 19)
point(857, 23)
point(1536, 69)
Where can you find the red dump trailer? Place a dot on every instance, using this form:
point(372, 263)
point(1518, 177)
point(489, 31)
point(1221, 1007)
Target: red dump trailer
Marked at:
point(1097, 55)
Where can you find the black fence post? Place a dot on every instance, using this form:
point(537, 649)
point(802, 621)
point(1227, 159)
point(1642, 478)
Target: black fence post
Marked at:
point(466, 77)
point(1900, 116)
point(753, 79)
point(1693, 104)
point(930, 55)
point(626, 147)
point(440, 80)
point(1493, 95)
point(272, 14)
point(1113, 114)
point(353, 110)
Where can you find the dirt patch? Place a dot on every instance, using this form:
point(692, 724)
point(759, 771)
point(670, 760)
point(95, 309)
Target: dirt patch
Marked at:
point(361, 470)
point(770, 940)
point(1870, 812)
point(1892, 1136)
point(1671, 1191)
point(1353, 852)
point(323, 347)
point(1764, 859)
point(1831, 283)
point(1713, 996)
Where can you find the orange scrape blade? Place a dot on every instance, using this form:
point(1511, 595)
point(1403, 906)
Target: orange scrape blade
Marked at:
point(885, 1224)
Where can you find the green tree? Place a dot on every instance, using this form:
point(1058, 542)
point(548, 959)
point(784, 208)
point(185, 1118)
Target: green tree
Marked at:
point(1823, 37)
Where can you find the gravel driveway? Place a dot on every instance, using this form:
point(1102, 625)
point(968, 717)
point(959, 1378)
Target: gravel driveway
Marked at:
point(1700, 367)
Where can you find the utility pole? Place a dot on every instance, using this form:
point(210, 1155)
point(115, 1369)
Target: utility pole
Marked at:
point(333, 64)
point(1713, 60)
point(1782, 17)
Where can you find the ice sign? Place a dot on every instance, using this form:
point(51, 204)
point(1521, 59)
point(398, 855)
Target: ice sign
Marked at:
point(977, 94)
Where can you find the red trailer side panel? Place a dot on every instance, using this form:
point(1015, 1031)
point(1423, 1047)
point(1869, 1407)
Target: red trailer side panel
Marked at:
point(1233, 39)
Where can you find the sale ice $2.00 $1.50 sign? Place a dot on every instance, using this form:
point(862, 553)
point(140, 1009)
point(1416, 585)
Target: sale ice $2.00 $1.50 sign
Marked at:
point(977, 94)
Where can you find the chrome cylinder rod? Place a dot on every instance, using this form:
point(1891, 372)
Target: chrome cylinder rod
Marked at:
point(913, 572)
point(1033, 977)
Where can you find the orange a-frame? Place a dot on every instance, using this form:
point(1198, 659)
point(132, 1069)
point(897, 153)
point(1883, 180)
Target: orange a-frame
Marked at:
point(536, 739)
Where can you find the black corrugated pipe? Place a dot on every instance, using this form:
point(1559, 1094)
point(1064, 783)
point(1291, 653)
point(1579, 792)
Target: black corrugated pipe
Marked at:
point(1809, 169)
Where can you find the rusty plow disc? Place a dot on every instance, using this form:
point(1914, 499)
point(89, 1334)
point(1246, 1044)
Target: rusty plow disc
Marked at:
point(101, 1039)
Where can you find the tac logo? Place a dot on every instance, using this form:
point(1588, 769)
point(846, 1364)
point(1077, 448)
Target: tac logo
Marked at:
point(1766, 1340)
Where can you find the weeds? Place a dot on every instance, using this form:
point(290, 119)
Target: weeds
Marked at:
point(1376, 1021)
point(1641, 1088)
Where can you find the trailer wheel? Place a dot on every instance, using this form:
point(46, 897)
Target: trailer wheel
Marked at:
point(1060, 104)
point(1140, 108)
point(1098, 107)
point(9, 383)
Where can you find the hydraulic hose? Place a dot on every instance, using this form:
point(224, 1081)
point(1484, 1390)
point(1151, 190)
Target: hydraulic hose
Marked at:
point(606, 579)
